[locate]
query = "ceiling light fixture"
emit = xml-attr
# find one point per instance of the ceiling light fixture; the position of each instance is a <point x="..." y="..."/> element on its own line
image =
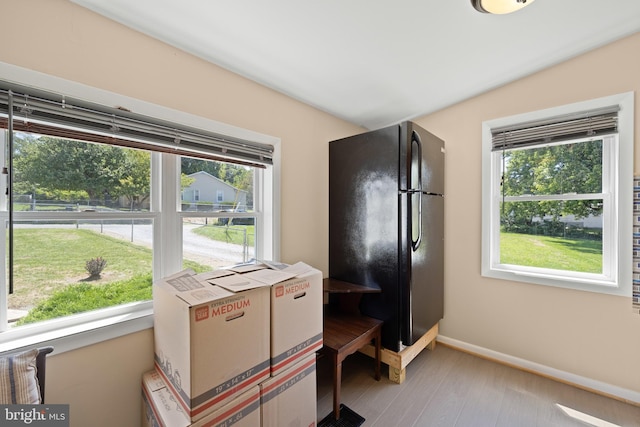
<point x="500" y="7"/>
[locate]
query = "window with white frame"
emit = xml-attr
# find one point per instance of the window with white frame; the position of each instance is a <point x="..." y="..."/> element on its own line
<point x="557" y="188"/>
<point x="84" y="232"/>
<point x="224" y="236"/>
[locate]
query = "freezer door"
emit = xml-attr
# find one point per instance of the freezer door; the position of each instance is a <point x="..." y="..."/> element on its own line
<point x="363" y="206"/>
<point x="423" y="268"/>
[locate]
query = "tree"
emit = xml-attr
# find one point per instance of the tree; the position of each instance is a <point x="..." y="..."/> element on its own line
<point x="185" y="181"/>
<point x="135" y="178"/>
<point x="55" y="165"/>
<point x="551" y="170"/>
<point x="190" y="165"/>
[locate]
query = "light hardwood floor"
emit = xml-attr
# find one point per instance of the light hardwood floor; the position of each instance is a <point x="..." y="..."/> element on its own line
<point x="449" y="388"/>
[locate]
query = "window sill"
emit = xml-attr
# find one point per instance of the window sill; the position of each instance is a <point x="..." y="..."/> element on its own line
<point x="575" y="283"/>
<point x="74" y="336"/>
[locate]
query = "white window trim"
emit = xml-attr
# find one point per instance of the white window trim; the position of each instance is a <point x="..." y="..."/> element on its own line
<point x="621" y="284"/>
<point x="85" y="329"/>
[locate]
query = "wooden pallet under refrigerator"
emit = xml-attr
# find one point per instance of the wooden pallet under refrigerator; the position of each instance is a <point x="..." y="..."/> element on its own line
<point x="398" y="361"/>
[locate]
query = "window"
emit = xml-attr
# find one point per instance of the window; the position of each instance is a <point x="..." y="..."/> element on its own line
<point x="85" y="232"/>
<point x="557" y="188"/>
<point x="215" y="233"/>
<point x="77" y="240"/>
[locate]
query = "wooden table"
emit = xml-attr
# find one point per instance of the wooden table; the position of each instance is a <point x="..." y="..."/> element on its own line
<point x="345" y="332"/>
<point x="345" y="296"/>
<point x="335" y="286"/>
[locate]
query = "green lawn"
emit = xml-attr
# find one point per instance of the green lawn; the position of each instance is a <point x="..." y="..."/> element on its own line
<point x="233" y="234"/>
<point x="57" y="254"/>
<point x="83" y="297"/>
<point x="50" y="277"/>
<point x="551" y="252"/>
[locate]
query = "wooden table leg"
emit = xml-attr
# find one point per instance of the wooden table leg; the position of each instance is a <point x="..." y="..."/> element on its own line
<point x="337" y="378"/>
<point x="378" y="350"/>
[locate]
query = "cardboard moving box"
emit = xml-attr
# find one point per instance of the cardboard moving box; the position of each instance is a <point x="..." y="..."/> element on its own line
<point x="210" y="344"/>
<point x="296" y="307"/>
<point x="289" y="399"/>
<point x="161" y="408"/>
<point x="296" y="319"/>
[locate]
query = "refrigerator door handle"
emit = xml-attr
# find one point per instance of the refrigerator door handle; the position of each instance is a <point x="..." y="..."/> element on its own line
<point x="415" y="140"/>
<point x="415" y="244"/>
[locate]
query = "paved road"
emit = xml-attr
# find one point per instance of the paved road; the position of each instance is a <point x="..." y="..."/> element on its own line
<point x="195" y="247"/>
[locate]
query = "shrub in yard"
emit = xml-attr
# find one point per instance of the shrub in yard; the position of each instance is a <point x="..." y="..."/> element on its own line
<point x="95" y="266"/>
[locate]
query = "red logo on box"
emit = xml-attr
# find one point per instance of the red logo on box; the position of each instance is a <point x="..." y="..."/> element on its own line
<point x="279" y="291"/>
<point x="202" y="313"/>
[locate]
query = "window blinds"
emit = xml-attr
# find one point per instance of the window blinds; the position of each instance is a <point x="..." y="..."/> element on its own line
<point x="52" y="114"/>
<point x="585" y="124"/>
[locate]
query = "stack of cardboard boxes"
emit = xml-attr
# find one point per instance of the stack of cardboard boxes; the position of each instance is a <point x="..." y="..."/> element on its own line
<point x="235" y="346"/>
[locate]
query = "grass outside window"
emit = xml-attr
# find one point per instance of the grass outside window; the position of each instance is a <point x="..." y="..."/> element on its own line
<point x="51" y="280"/>
<point x="581" y="255"/>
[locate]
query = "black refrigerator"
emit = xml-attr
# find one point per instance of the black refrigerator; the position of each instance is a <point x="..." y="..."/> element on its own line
<point x="386" y="226"/>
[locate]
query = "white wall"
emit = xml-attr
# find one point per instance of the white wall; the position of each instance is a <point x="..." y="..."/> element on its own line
<point x="587" y="334"/>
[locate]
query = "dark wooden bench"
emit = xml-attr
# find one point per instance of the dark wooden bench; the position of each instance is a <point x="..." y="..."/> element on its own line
<point x="343" y="335"/>
<point x="346" y="330"/>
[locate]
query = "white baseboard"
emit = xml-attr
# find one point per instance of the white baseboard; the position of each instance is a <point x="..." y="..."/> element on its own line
<point x="626" y="395"/>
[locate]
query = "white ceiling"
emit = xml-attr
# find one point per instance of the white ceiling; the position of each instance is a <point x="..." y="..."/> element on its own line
<point x="377" y="62"/>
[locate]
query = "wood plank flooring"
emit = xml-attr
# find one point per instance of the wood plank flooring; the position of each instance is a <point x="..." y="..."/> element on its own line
<point x="449" y="388"/>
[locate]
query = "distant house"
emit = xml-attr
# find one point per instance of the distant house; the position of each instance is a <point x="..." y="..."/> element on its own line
<point x="208" y="189"/>
<point x="571" y="220"/>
